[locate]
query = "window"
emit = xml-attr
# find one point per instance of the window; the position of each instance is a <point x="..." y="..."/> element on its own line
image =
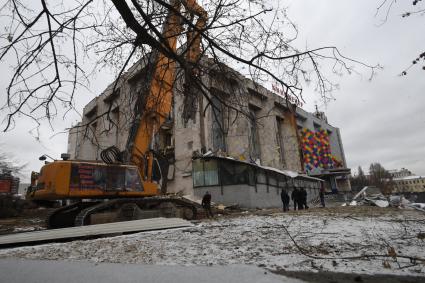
<point x="254" y="142"/>
<point x="261" y="177"/>
<point x="234" y="174"/>
<point x="205" y="173"/>
<point x="115" y="115"/>
<point x="169" y="139"/>
<point x="279" y="139"/>
<point x="113" y="96"/>
<point x="89" y="114"/>
<point x="218" y="124"/>
<point x="256" y="94"/>
<point x="271" y="179"/>
<point x="221" y="172"/>
<point x="282" y="181"/>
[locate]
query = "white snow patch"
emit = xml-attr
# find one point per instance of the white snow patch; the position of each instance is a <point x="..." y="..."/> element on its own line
<point x="325" y="243"/>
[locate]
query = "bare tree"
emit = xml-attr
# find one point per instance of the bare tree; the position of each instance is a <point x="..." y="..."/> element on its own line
<point x="359" y="180"/>
<point x="8" y="164"/>
<point x="417" y="8"/>
<point x="380" y="178"/>
<point x="52" y="47"/>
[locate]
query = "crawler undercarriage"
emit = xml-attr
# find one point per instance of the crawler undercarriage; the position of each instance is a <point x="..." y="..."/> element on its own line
<point x="122" y="209"/>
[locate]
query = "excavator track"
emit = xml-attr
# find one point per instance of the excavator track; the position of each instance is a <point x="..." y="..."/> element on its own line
<point x="83" y="218"/>
<point x="64" y="216"/>
<point x="124" y="209"/>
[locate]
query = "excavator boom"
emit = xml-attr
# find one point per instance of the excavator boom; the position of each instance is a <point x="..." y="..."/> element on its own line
<point x="126" y="186"/>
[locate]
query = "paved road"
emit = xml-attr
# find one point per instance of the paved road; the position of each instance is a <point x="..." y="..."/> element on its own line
<point x="35" y="271"/>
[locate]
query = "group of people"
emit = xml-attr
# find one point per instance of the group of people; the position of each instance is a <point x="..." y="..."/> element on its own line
<point x="298" y="196"/>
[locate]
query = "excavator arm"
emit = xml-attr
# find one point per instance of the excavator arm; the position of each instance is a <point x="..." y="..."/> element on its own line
<point x="112" y="191"/>
<point x="157" y="100"/>
<point x="78" y="179"/>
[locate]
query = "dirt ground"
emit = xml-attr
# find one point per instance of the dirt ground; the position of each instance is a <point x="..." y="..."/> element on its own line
<point x="29" y="220"/>
<point x="34" y="219"/>
<point x="346" y="211"/>
<point x="374" y="244"/>
<point x="339" y="277"/>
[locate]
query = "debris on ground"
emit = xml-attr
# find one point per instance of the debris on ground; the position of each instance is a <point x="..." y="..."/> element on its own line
<point x="339" y="239"/>
<point x="29" y="220"/>
<point x="369" y="196"/>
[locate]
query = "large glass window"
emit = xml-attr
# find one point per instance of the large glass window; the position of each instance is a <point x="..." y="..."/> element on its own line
<point x="205" y="173"/>
<point x="208" y="172"/>
<point x="272" y="180"/>
<point x="282" y="181"/>
<point x="234" y="173"/>
<point x="261" y="177"/>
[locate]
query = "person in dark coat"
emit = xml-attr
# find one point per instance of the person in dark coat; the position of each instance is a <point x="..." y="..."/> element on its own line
<point x="285" y="200"/>
<point x="303" y="198"/>
<point x="322" y="196"/>
<point x="295" y="198"/>
<point x="206" y="204"/>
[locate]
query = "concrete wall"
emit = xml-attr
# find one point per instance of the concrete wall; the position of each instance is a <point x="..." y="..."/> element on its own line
<point x="291" y="145"/>
<point x="186" y="138"/>
<point x="244" y="195"/>
<point x="249" y="196"/>
<point x="311" y="122"/>
<point x="73" y="141"/>
<point x="92" y="137"/>
<point x="343" y="184"/>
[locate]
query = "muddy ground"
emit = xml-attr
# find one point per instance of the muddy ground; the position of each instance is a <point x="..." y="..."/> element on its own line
<point x="336" y="244"/>
<point x="339" y="277"/>
<point x="28" y="220"/>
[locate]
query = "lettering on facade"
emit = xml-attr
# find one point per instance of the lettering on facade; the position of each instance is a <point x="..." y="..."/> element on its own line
<point x="292" y="99"/>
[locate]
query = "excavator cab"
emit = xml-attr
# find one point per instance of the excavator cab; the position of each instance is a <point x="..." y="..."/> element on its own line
<point x="68" y="179"/>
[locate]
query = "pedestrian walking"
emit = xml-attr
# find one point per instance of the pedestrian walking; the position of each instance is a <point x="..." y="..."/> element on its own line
<point x="295" y="197"/>
<point x="285" y="200"/>
<point x="206" y="204"/>
<point x="322" y="196"/>
<point x="303" y="198"/>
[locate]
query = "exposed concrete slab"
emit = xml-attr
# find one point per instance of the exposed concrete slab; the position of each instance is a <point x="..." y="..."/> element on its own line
<point x="93" y="230"/>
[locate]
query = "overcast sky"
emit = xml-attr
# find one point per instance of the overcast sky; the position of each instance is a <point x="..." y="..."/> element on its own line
<point x="382" y="120"/>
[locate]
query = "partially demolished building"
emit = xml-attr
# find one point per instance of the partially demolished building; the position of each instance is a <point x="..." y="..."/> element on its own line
<point x="246" y="156"/>
<point x="409" y="184"/>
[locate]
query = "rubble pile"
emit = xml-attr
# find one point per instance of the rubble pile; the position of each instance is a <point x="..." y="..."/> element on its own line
<point x="369" y="196"/>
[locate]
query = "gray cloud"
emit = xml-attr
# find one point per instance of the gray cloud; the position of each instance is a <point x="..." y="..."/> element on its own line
<point x="380" y="120"/>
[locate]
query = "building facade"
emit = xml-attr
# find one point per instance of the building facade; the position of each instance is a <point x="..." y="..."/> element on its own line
<point x="409" y="184"/>
<point x="261" y="141"/>
<point x="403" y="172"/>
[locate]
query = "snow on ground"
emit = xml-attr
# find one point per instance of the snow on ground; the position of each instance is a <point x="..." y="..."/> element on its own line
<point x="310" y="241"/>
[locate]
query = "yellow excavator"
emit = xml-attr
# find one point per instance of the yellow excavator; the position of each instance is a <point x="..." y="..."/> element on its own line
<point x="131" y="188"/>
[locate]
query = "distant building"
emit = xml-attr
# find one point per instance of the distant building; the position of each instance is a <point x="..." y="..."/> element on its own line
<point x="9" y="184"/>
<point x="403" y="172"/>
<point x="276" y="146"/>
<point x="409" y="184"/>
